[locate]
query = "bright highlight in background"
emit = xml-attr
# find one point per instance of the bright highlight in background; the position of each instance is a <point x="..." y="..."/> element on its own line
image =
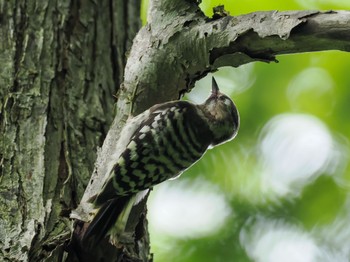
<point x="274" y="241"/>
<point x="312" y="90"/>
<point x="187" y="209"/>
<point x="230" y="80"/>
<point x="295" y="148"/>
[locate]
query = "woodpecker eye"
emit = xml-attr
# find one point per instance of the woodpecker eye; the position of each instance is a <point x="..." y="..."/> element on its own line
<point x="226" y="100"/>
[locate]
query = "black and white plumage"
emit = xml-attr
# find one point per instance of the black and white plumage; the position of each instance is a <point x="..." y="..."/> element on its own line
<point x="168" y="139"/>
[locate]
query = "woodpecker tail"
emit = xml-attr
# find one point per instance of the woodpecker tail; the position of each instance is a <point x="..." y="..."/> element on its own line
<point x="106" y="218"/>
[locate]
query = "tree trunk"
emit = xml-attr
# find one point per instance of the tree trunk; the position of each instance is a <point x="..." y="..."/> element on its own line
<point x="61" y="64"/>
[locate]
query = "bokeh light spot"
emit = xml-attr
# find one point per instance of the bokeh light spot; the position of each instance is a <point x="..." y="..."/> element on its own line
<point x="294" y="148"/>
<point x="187" y="209"/>
<point x="275" y="241"/>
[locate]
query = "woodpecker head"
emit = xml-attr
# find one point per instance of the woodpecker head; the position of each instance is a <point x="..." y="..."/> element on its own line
<point x="222" y="114"/>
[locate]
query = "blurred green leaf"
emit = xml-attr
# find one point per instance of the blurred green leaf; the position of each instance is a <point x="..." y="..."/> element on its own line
<point x="320" y="203"/>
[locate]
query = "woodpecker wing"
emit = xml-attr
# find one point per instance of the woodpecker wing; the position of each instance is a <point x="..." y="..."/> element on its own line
<point x="170" y="140"/>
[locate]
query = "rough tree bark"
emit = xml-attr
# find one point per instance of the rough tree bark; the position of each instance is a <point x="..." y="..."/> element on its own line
<point x="61" y="63"/>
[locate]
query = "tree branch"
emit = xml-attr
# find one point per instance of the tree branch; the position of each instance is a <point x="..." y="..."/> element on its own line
<point x="166" y="61"/>
<point x="274" y="33"/>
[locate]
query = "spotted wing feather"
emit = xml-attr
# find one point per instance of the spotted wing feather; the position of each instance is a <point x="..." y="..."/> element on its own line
<point x="170" y="140"/>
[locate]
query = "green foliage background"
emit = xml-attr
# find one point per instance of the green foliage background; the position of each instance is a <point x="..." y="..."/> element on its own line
<point x="315" y="209"/>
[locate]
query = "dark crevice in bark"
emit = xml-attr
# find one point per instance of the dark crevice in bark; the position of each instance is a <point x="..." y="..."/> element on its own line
<point x="242" y="46"/>
<point x="22" y="202"/>
<point x="114" y="51"/>
<point x="20" y="22"/>
<point x="72" y="20"/>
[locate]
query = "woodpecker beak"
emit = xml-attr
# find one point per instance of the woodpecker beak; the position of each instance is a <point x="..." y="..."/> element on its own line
<point x="214" y="88"/>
